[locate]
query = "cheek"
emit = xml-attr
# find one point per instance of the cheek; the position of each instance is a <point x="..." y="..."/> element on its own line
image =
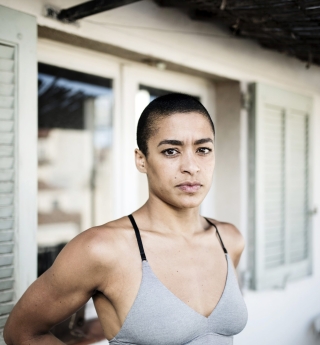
<point x="208" y="169"/>
<point x="164" y="172"/>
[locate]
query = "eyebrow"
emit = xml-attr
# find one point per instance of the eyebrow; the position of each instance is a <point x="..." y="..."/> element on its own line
<point x="203" y="141"/>
<point x="181" y="143"/>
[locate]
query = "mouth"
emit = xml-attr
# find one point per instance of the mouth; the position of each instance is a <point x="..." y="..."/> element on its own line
<point x="189" y="187"/>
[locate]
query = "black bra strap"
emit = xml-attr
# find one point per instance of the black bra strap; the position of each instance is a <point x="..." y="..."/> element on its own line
<point x="136" y="230"/>
<point x="223" y="247"/>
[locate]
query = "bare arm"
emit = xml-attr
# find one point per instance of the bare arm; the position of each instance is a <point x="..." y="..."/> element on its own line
<point x="58" y="293"/>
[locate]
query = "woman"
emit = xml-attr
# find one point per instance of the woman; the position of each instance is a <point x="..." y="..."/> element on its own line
<point x="163" y="275"/>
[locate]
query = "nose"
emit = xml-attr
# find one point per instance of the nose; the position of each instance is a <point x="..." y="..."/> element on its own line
<point x="189" y="164"/>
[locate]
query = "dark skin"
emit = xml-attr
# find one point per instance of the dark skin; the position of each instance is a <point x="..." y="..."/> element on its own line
<point x="104" y="262"/>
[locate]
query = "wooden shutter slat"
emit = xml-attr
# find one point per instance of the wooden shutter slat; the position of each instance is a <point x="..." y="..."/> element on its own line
<point x="272" y="262"/>
<point x="6" y="260"/>
<point x="6" y="151"/>
<point x="6" y="272"/>
<point x="6" y="223"/>
<point x="6" y="102"/>
<point x="5" y="308"/>
<point x="272" y="222"/>
<point x="6" y="126"/>
<point x="6" y="211"/>
<point x="6" y="162"/>
<point x="6" y="90"/>
<point x="6" y="284"/>
<point x="6" y="114"/>
<point x="275" y="243"/>
<point x="6" y="138"/>
<point x="6" y="176"/>
<point x="6" y="187"/>
<point x="6" y="236"/>
<point x="7" y="77"/>
<point x="6" y="248"/>
<point x="296" y="256"/>
<point x="6" y="199"/>
<point x="6" y="296"/>
<point x="274" y="234"/>
<point x="6" y="52"/>
<point x="6" y="65"/>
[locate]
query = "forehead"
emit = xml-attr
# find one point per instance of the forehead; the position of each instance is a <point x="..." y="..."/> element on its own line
<point x="184" y="124"/>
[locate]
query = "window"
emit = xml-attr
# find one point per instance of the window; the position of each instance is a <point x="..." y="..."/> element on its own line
<point x="279" y="187"/>
<point x="74" y="155"/>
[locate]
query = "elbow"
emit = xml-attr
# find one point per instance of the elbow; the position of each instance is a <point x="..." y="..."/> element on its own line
<point x="15" y="334"/>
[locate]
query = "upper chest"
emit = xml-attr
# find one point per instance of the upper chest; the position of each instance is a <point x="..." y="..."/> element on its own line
<point x="195" y="272"/>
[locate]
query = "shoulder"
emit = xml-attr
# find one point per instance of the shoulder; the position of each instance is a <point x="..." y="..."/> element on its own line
<point x="102" y="239"/>
<point x="103" y="235"/>
<point x="232" y="239"/>
<point x="97" y="249"/>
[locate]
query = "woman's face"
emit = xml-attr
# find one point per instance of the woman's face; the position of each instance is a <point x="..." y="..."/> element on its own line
<point x="181" y="159"/>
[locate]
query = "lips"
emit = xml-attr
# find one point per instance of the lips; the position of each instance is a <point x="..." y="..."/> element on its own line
<point x="189" y="187"/>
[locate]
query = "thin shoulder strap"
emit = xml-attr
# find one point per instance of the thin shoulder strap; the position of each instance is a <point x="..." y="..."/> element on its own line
<point x="136" y="230"/>
<point x="223" y="247"/>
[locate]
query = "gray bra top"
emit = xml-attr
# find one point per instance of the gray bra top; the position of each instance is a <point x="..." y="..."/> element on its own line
<point x="158" y="317"/>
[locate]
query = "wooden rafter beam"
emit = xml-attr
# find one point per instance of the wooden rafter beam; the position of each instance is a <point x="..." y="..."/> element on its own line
<point x="89" y="8"/>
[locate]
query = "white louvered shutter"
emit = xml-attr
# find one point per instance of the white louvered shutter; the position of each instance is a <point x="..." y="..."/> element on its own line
<point x="7" y="179"/>
<point x="297" y="186"/>
<point x="279" y="222"/>
<point x="274" y="204"/>
<point x="18" y="157"/>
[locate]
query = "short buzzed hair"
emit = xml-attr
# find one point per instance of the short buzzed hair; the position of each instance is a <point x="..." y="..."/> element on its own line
<point x="164" y="106"/>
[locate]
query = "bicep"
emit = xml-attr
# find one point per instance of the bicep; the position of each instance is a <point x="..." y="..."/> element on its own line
<point x="54" y="296"/>
<point x="47" y="302"/>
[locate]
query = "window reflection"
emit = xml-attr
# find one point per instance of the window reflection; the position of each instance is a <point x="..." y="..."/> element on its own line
<point x="74" y="157"/>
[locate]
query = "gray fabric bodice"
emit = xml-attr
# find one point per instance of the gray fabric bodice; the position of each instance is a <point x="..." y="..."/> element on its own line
<point x="158" y="317"/>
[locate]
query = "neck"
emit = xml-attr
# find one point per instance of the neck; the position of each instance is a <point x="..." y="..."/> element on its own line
<point x="156" y="214"/>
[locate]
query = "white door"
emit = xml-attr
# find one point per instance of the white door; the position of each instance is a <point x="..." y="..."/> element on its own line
<point x="140" y="84"/>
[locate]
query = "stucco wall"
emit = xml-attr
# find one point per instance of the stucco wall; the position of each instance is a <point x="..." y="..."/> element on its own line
<point x="163" y="33"/>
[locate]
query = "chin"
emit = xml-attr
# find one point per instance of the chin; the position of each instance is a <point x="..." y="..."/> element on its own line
<point x="189" y="201"/>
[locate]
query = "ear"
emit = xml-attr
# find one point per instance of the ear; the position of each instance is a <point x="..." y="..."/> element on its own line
<point x="140" y="161"/>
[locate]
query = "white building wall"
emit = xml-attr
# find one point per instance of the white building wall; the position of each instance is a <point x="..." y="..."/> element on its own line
<point x="145" y="28"/>
<point x="280" y="317"/>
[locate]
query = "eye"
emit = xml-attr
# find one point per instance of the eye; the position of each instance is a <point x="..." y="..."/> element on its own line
<point x="170" y="152"/>
<point x="204" y="150"/>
